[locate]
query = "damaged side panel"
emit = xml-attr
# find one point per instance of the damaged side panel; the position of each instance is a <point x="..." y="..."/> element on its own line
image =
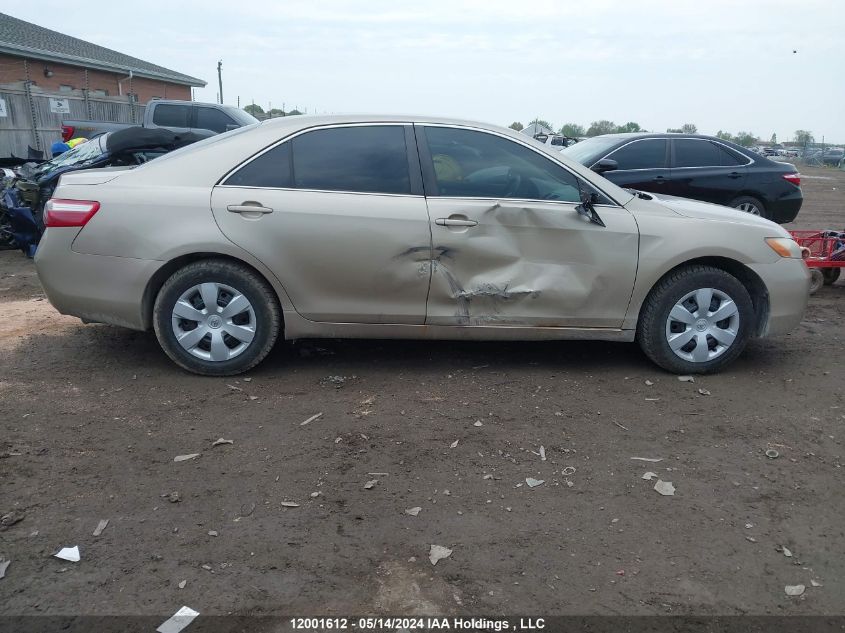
<point x="530" y="263"/>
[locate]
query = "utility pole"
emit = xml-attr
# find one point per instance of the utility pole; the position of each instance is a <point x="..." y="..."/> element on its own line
<point x="220" y="78"/>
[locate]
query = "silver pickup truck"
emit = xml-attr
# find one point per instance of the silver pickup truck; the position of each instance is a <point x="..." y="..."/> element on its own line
<point x="179" y="116"/>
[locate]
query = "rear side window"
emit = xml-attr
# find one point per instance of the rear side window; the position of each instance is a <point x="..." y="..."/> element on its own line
<point x="730" y="158"/>
<point x="696" y="153"/>
<point x="271" y="169"/>
<point x="646" y="154"/>
<point x="212" y="119"/>
<point x="171" y="115"/>
<point x="367" y="159"/>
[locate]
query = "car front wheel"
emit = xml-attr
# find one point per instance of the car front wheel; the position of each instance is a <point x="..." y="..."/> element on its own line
<point x="216" y="318"/>
<point x="696" y="320"/>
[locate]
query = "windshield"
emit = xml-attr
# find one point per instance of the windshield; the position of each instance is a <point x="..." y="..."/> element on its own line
<point x="82" y="154"/>
<point x="590" y="150"/>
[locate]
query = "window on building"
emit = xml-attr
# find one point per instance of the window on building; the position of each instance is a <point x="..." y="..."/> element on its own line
<point x="99" y="92"/>
<point x="65" y="88"/>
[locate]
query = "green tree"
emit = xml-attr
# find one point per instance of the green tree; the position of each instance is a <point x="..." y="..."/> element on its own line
<point x="516" y="125"/>
<point x="254" y="109"/>
<point x="803" y="137"/>
<point x="746" y="139"/>
<point x="689" y="128"/>
<point x="774" y="139"/>
<point x="725" y="136"/>
<point x="572" y="129"/>
<point x="542" y="122"/>
<point x="630" y="126"/>
<point x="601" y="127"/>
<point x="276" y="112"/>
<point x="293" y="112"/>
<point x="674" y="130"/>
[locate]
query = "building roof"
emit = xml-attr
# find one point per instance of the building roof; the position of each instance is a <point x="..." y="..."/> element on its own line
<point x="18" y="37"/>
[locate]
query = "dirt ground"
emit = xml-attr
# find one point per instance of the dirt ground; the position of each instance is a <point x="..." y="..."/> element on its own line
<point x="93" y="416"/>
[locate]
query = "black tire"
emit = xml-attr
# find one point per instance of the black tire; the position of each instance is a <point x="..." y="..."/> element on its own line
<point x="816" y="280"/>
<point x="750" y="201"/>
<point x="654" y="315"/>
<point x="830" y="275"/>
<point x="259" y="294"/>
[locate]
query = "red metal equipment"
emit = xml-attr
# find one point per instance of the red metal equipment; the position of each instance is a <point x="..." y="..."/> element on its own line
<point x="824" y="254"/>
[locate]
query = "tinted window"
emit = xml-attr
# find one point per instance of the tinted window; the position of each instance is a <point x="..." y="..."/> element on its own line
<point x="214" y="120"/>
<point x="647" y="154"/>
<point x="729" y="157"/>
<point x="695" y="153"/>
<point x="370" y="159"/>
<point x="480" y="165"/>
<point x="271" y="169"/>
<point x="171" y="115"/>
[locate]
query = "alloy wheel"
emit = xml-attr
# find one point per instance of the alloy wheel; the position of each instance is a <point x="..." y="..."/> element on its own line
<point x="702" y="325"/>
<point x="213" y="321"/>
<point x="749" y="207"/>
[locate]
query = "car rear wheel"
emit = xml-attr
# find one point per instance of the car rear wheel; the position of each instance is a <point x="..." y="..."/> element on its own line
<point x="216" y="318"/>
<point x="696" y="320"/>
<point x="747" y="204"/>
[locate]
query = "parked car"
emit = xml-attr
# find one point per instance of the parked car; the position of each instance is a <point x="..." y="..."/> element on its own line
<point x="557" y="141"/>
<point x="833" y="156"/>
<point x="698" y="167"/>
<point x="392" y="227"/>
<point x="178" y="116"/>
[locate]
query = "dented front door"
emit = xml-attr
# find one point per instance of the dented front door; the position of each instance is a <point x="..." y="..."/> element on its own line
<point x="508" y="261"/>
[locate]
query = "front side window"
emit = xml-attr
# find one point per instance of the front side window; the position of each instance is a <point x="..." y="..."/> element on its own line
<point x="367" y="159"/>
<point x="271" y="169"/>
<point x="213" y="119"/>
<point x="696" y="153"/>
<point x="167" y="115"/>
<point x="475" y="164"/>
<point x="646" y="154"/>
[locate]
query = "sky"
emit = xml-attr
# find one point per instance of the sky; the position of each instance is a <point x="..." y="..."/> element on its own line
<point x="719" y="64"/>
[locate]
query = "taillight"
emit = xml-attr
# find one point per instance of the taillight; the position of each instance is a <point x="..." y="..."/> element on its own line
<point x="794" y="178"/>
<point x="67" y="133"/>
<point x="59" y="212"/>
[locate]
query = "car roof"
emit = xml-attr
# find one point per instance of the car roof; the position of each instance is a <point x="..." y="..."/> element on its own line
<point x="633" y="135"/>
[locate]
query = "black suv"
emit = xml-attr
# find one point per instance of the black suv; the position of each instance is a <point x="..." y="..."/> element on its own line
<point x="699" y="167"/>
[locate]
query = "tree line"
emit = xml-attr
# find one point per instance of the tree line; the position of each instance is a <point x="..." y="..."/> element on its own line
<point x="597" y="128"/>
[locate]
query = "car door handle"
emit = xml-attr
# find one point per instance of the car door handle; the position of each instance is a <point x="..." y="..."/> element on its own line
<point x="659" y="179"/>
<point x="454" y="222"/>
<point x="734" y="174"/>
<point x="248" y="208"/>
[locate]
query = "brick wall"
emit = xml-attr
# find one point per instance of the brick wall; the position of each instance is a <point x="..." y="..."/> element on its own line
<point x="12" y="71"/>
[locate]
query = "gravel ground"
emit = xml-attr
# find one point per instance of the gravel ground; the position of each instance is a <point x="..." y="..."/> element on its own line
<point x="93" y="417"/>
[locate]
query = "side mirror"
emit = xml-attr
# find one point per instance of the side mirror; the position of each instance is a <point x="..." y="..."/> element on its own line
<point x="605" y="164"/>
<point x="586" y="208"/>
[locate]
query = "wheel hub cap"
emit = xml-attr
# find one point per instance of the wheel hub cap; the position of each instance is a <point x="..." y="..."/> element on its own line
<point x="702" y="325"/>
<point x="213" y="321"/>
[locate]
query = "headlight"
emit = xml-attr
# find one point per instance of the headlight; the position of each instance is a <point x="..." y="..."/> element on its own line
<point x="784" y="246"/>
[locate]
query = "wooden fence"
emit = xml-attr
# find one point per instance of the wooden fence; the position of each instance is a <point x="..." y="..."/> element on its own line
<point x="31" y="119"/>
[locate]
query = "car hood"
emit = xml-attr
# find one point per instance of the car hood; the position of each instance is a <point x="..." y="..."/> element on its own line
<point x="715" y="212"/>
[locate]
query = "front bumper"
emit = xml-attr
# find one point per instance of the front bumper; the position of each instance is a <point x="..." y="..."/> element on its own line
<point x="788" y="284"/>
<point x="99" y="288"/>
